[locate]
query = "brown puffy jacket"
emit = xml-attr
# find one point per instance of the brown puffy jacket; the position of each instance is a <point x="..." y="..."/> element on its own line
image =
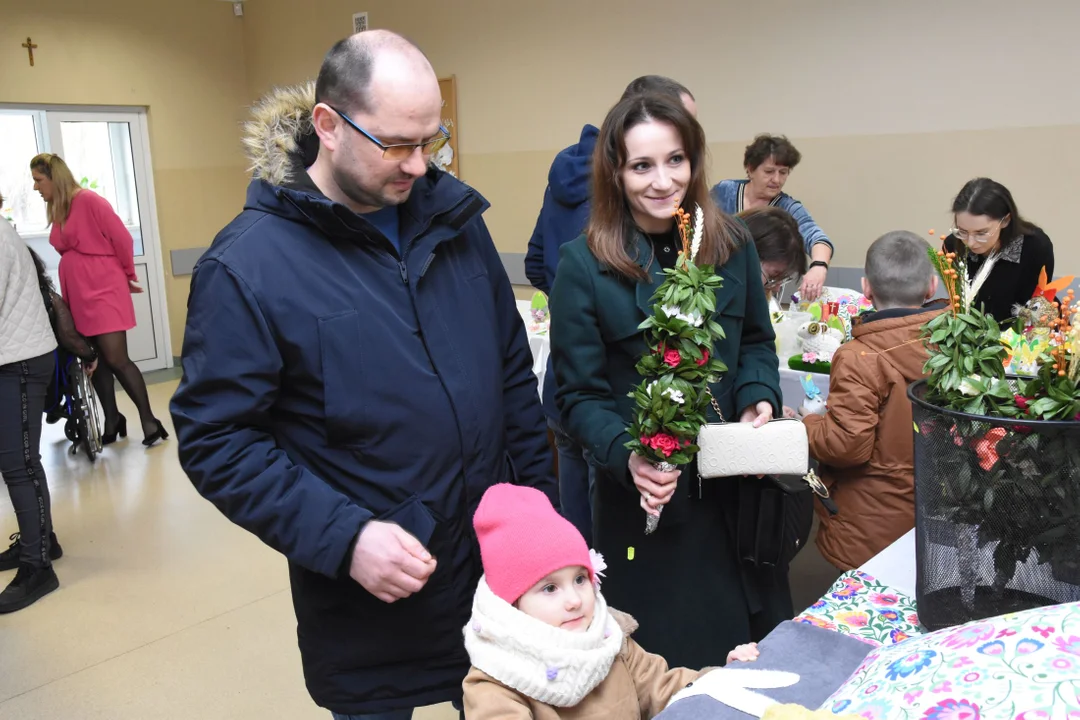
<point x="864" y="441"/>
<point x="638" y="686"/>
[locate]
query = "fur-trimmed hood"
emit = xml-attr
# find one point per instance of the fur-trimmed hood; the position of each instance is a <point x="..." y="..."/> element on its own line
<point x="279" y="139"/>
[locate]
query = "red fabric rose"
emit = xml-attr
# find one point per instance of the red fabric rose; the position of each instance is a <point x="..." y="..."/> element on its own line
<point x="704" y="358"/>
<point x="986" y="448"/>
<point x="664" y="443"/>
<point x="672" y="358"/>
<point x="1022" y="402"/>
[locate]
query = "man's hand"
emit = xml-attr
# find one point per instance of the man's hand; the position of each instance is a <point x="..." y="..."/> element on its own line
<point x="134" y="287"/>
<point x="390" y="563"/>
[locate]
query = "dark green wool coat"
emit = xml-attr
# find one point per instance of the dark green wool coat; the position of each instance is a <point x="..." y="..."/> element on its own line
<point x="694" y="599"/>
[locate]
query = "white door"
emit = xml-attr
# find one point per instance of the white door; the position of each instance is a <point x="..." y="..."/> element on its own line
<point x="109" y="154"/>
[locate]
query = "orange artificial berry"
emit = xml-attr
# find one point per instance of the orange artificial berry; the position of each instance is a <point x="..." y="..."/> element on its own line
<point x="932" y="231"/>
<point x="956" y="297"/>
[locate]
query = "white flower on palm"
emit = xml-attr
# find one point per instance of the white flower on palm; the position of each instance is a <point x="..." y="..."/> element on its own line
<point x="967" y="388"/>
<point x="674" y="311"/>
<point x="675" y="395"/>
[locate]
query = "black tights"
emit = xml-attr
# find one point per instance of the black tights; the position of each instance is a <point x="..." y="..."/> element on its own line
<point x="114" y="362"/>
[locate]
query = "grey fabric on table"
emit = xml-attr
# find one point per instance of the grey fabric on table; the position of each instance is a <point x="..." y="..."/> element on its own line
<point x="823" y="659"/>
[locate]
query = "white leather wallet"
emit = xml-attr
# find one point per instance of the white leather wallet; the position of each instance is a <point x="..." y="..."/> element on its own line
<point x="779" y="447"/>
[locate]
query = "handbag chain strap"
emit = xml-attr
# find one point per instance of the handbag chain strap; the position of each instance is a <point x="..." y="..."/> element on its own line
<point x="715" y="405"/>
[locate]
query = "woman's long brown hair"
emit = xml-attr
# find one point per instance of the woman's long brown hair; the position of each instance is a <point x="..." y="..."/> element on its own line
<point x="612" y="231"/>
<point x="64" y="186"/>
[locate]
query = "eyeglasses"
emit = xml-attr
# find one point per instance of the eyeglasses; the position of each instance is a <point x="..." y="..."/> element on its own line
<point x="774" y="283"/>
<point x="981" y="236"/>
<point x="404" y="150"/>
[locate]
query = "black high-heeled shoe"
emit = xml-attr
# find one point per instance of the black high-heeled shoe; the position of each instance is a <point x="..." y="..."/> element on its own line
<point x="121" y="430"/>
<point x="159" y="434"/>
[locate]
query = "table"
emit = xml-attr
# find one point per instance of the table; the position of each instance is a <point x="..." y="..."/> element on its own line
<point x="895" y="565"/>
<point x="791" y="385"/>
<point x="539" y="344"/>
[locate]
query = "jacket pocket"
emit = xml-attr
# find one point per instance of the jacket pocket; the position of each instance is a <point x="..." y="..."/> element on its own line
<point x="413" y="517"/>
<point x="341" y="352"/>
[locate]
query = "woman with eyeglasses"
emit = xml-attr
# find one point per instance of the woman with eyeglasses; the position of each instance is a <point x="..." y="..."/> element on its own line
<point x="1005" y="253"/>
<point x="779" y="245"/>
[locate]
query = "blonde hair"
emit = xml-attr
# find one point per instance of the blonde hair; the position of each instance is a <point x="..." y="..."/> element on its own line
<point x="64" y="185"/>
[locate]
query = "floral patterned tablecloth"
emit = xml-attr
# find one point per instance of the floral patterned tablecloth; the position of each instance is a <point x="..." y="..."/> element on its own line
<point x="1022" y="666"/>
<point x="861" y="606"/>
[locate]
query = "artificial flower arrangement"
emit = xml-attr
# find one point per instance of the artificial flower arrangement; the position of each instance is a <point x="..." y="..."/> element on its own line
<point x="831" y="321"/>
<point x="672" y="398"/>
<point x="539" y="314"/>
<point x="1001" y="471"/>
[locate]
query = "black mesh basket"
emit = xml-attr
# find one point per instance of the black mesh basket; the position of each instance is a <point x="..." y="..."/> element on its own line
<point x="997" y="513"/>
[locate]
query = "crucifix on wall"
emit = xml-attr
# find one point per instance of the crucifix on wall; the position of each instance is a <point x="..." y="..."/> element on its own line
<point x="30" y="46"/>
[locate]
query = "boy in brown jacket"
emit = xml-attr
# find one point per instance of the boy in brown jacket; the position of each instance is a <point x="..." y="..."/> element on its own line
<point x="864" y="440"/>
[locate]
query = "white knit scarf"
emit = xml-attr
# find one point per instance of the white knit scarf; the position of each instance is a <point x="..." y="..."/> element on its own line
<point x="548" y="664"/>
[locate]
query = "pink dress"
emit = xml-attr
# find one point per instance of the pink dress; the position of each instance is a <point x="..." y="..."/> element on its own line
<point x="96" y="262"/>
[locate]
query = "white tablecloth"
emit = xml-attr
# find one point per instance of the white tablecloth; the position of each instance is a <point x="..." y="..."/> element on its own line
<point x="895" y="565"/>
<point x="539" y="343"/>
<point x="791" y="385"/>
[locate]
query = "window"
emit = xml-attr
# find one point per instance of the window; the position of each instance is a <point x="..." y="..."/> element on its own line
<point x="22" y="136"/>
<point x="99" y="155"/>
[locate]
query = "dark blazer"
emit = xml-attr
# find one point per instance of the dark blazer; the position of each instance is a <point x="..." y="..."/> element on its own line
<point x="596" y="344"/>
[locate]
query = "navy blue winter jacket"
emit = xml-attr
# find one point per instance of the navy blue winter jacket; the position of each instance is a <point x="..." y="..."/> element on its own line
<point x="328" y="381"/>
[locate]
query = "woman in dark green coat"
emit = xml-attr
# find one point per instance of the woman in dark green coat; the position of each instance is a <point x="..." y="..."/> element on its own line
<point x="694" y="599"/>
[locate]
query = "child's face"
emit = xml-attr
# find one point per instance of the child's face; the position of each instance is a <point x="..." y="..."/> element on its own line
<point x="564" y="599"/>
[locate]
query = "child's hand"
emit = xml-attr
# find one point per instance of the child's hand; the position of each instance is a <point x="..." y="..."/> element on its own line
<point x="743" y="653"/>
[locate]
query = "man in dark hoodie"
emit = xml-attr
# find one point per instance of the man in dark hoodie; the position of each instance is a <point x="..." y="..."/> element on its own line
<point x="356" y="376"/>
<point x="563" y="217"/>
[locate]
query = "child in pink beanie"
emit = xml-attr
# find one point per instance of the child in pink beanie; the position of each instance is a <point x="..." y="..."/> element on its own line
<point x="541" y="639"/>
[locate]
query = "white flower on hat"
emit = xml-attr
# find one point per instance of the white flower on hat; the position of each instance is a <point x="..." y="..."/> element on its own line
<point x="598" y="565"/>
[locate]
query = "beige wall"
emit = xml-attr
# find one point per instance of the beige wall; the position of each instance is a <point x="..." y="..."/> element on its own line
<point x="184" y="61"/>
<point x="894" y="105"/>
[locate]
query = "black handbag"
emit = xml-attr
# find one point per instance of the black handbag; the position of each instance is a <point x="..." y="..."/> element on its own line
<point x="774" y="517"/>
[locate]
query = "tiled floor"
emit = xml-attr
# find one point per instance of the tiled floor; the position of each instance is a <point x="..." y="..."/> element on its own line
<point x="165" y="609"/>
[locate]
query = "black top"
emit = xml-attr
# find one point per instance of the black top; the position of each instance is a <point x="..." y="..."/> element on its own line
<point x="1016" y="274"/>
<point x="667" y="246"/>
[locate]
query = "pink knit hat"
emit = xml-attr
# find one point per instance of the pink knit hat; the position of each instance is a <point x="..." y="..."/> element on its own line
<point x="523" y="539"/>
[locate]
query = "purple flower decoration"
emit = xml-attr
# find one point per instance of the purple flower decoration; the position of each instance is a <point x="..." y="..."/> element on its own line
<point x="476" y="628"/>
<point x="994" y="649"/>
<point x="907" y="666"/>
<point x="552" y="673"/>
<point x="970" y="636"/>
<point x="954" y="710"/>
<point x="1071" y="646"/>
<point x="1028" y="646"/>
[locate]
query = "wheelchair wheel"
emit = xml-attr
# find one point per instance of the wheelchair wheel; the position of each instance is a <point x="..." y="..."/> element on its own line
<point x="87" y="414"/>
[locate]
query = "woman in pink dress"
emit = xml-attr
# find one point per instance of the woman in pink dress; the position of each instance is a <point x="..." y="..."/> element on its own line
<point x="97" y="277"/>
